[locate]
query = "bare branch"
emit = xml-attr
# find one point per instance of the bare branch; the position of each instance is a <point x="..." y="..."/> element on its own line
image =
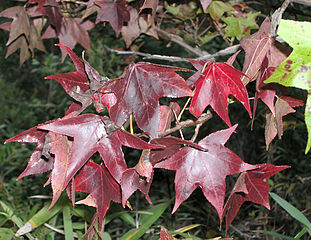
<point x="188" y="123"/>
<point x="177" y="39"/>
<point x="223" y="52"/>
<point x="304" y="2"/>
<point x="276" y="17"/>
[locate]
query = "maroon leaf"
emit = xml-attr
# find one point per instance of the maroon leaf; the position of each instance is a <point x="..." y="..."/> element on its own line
<point x="137" y="25"/>
<point x="73" y="31"/>
<point x="60" y="147"/>
<point x="213" y="88"/>
<point x="73" y="79"/>
<point x="138" y="92"/>
<point x="259" y="46"/>
<point x="172" y="146"/>
<point x="207" y="169"/>
<point x="24" y="33"/>
<point x="93" y="133"/>
<point x="274" y="124"/>
<point x="96" y="180"/>
<point x="131" y="181"/>
<point x="114" y="12"/>
<point x="37" y="163"/>
<point x="47" y="8"/>
<point x="250" y="186"/>
<point x="266" y="92"/>
<point x="167" y="115"/>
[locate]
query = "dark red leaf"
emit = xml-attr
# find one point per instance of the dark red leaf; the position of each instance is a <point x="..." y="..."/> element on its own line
<point x="47" y="8"/>
<point x="93" y="133"/>
<point x="138" y="92"/>
<point x="37" y="163"/>
<point x="96" y="180"/>
<point x="259" y="46"/>
<point x="250" y="186"/>
<point x="73" y="31"/>
<point x="213" y="88"/>
<point x="114" y="12"/>
<point x="60" y="147"/>
<point x="77" y="78"/>
<point x="207" y="169"/>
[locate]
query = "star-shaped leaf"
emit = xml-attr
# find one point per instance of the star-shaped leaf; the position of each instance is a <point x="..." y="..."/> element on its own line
<point x="240" y="26"/>
<point x="103" y="188"/>
<point x="73" y="31"/>
<point x="274" y="123"/>
<point x="138" y="92"/>
<point x="91" y="134"/>
<point x="24" y="32"/>
<point x="38" y="163"/>
<point x="251" y="186"/>
<point x="48" y="8"/>
<point x="259" y="46"/>
<point x="213" y="88"/>
<point x="114" y="12"/>
<point x="295" y="70"/>
<point x="207" y="169"/>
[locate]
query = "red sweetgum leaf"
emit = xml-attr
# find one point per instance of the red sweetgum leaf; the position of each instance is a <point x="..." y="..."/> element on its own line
<point x="138" y="92"/>
<point x="207" y="169"/>
<point x="259" y="46"/>
<point x="37" y="163"/>
<point x="137" y="25"/>
<point x="82" y="85"/>
<point x="274" y="124"/>
<point x="172" y="146"/>
<point x="72" y="79"/>
<point x="60" y="147"/>
<point x="114" y="12"/>
<point x="24" y="33"/>
<point x="91" y="134"/>
<point x="46" y="8"/>
<point x="250" y="186"/>
<point x="131" y="181"/>
<point x="167" y="115"/>
<point x="213" y="88"/>
<point x="266" y="92"/>
<point x="96" y="180"/>
<point x="73" y="31"/>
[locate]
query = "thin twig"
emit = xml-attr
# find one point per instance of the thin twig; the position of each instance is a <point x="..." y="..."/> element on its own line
<point x="223" y="52"/>
<point x="177" y="39"/>
<point x="241" y="233"/>
<point x="58" y="230"/>
<point x="188" y="123"/>
<point x="276" y="17"/>
<point x="304" y="2"/>
<point x="196" y="132"/>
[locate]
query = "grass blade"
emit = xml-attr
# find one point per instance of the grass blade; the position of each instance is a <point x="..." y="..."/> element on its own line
<point x="291" y="210"/>
<point x="67" y="223"/>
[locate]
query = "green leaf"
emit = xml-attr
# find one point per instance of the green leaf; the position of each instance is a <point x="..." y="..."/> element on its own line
<point x="146" y="221"/>
<point x="217" y="8"/>
<point x="295" y="70"/>
<point x="291" y="210"/>
<point x="6" y="233"/>
<point x="44" y="215"/>
<point x="13" y="217"/>
<point x="274" y="234"/>
<point x="240" y="26"/>
<point x="67" y="223"/>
